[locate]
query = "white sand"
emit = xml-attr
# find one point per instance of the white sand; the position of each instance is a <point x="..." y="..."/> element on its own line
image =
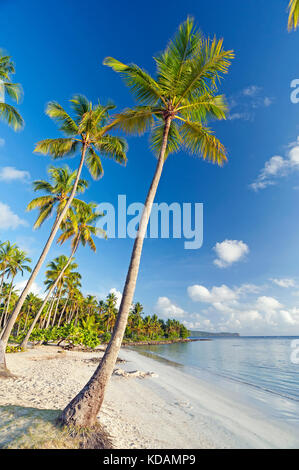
<point x="173" y="410"/>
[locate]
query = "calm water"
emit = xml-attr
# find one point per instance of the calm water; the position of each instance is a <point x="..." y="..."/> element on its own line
<point x="263" y="363"/>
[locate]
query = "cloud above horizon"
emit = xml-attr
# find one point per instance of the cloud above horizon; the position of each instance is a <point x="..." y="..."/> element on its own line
<point x="229" y="252"/>
<point x="167" y="309"/>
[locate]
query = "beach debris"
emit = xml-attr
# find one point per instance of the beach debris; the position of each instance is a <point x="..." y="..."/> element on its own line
<point x="134" y="373"/>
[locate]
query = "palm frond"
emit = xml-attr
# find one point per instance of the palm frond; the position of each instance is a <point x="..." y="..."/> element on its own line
<point x="14" y="90"/>
<point x="80" y="106"/>
<point x="174" y="140"/>
<point x="94" y="164"/>
<point x="55" y="111"/>
<point x="112" y="147"/>
<point x="142" y="85"/>
<point x="203" y="107"/>
<point x="293" y="20"/>
<point x="199" y="140"/>
<point x="9" y="114"/>
<point x="57" y="148"/>
<point x="134" y="121"/>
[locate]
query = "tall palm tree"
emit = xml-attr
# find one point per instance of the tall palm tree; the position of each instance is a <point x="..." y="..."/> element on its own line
<point x="7" y="253"/>
<point x="293" y="14"/>
<point x="55" y="268"/>
<point x="86" y="132"/>
<point x="14" y="90"/>
<point x="80" y="228"/>
<point x="18" y="263"/>
<point x="175" y="107"/>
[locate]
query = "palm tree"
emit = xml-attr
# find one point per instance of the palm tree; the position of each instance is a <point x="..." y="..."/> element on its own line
<point x="293" y="14"/>
<point x="57" y="191"/>
<point x="174" y="107"/>
<point x="18" y="263"/>
<point x="80" y="228"/>
<point x="7" y="253"/>
<point x="57" y="268"/>
<point x="14" y="90"/>
<point x="87" y="132"/>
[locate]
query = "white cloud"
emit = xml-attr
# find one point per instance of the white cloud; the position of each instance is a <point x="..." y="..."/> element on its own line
<point x="244" y="103"/>
<point x="229" y="252"/>
<point x="268" y="304"/>
<point x="167" y="309"/>
<point x="35" y="288"/>
<point x="237" y="309"/>
<point x="9" y="220"/>
<point x="2" y="142"/>
<point x="199" y="293"/>
<point x="277" y="167"/>
<point x="9" y="173"/>
<point x="284" y="282"/>
<point x="117" y="294"/>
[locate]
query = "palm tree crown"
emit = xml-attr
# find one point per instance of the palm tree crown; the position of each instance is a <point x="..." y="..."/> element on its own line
<point x="86" y="130"/>
<point x="14" y="90"/>
<point x="184" y="93"/>
<point x="57" y="192"/>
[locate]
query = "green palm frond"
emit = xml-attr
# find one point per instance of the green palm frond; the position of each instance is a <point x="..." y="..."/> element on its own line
<point x="80" y="106"/>
<point x="40" y="202"/>
<point x="293" y="20"/>
<point x="9" y="114"/>
<point x="199" y="140"/>
<point x="207" y="67"/>
<point x="174" y="141"/>
<point x="203" y="107"/>
<point x="44" y="213"/>
<point x="14" y="90"/>
<point x="56" y="112"/>
<point x="94" y="164"/>
<point x="135" y="121"/>
<point x="57" y="148"/>
<point x="142" y="85"/>
<point x="113" y="147"/>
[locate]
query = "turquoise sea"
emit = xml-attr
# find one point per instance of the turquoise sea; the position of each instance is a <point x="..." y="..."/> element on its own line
<point x="259" y="368"/>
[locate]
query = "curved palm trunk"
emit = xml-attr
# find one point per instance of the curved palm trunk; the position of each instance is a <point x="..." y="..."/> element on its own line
<point x="51" y="309"/>
<point x="35" y="320"/>
<point x="42" y="257"/>
<point x="84" y="408"/>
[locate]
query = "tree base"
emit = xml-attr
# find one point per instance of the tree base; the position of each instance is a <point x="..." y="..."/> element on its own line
<point x="94" y="437"/>
<point x="4" y="372"/>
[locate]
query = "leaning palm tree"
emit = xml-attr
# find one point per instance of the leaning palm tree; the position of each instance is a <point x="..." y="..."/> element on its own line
<point x="80" y="228"/>
<point x="14" y="90"/>
<point x="7" y="253"/>
<point x="174" y="107"/>
<point x="293" y="14"/>
<point x="87" y="133"/>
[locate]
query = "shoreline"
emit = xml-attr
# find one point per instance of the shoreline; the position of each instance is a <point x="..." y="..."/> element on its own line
<point x="171" y="409"/>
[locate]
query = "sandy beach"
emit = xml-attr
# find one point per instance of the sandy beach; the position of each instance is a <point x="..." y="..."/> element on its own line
<point x="171" y="409"/>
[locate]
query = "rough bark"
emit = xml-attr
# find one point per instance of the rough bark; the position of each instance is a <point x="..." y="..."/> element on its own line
<point x="84" y="408"/>
<point x="42" y="257"/>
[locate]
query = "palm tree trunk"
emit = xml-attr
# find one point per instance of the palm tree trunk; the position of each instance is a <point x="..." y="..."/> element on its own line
<point x="84" y="408"/>
<point x="26" y="339"/>
<point x="7" y="307"/>
<point x="63" y="310"/>
<point x="58" y="299"/>
<point x="48" y="312"/>
<point x="51" y="309"/>
<point x="42" y="257"/>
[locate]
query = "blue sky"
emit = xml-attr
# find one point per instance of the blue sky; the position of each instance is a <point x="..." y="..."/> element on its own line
<point x="250" y="205"/>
